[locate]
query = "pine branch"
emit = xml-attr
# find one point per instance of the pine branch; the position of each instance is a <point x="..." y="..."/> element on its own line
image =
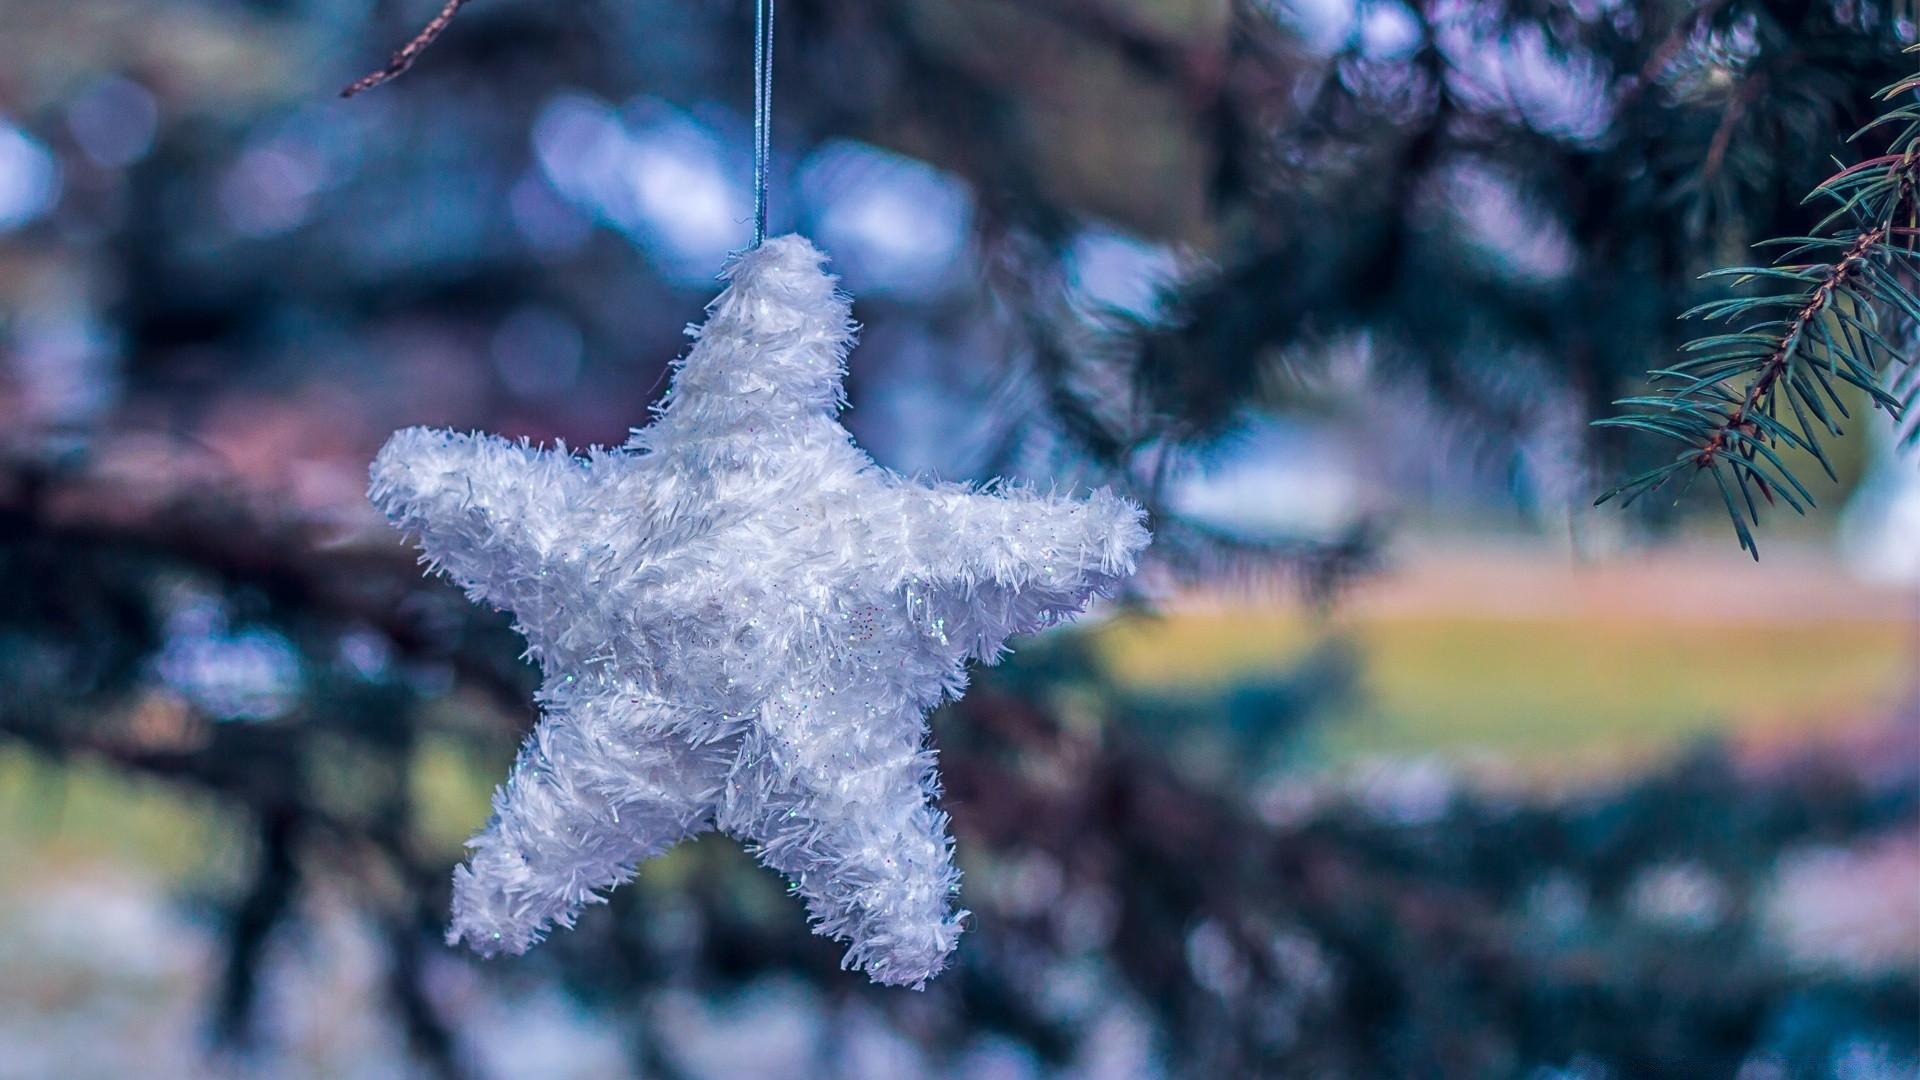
<point x="1723" y="403"/>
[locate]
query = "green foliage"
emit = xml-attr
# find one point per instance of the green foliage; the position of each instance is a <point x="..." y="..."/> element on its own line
<point x="1821" y="318"/>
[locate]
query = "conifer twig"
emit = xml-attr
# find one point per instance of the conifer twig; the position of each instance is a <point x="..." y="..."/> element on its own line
<point x="1723" y="403"/>
<point x="1736" y="424"/>
<point x="403" y="60"/>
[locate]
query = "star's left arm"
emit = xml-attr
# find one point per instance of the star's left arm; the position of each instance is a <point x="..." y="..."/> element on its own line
<point x="1009" y="559"/>
<point x="487" y="510"/>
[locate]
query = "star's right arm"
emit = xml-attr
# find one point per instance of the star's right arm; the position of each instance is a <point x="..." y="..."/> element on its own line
<point x="1010" y="559"/>
<point x="488" y="511"/>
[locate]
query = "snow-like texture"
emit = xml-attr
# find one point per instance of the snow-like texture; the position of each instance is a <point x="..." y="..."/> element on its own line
<point x="742" y="622"/>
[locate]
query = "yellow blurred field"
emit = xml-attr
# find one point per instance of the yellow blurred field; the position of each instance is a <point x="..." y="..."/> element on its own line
<point x="1541" y="687"/>
<point x="83" y="813"/>
<point x="1535" y="658"/>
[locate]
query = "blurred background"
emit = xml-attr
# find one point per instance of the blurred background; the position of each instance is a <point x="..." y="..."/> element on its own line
<point x="1401" y="761"/>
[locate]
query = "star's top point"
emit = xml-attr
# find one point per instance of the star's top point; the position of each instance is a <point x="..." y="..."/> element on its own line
<point x="774" y="345"/>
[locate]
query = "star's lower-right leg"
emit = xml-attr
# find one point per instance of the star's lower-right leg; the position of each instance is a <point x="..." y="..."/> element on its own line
<point x="843" y="810"/>
<point x="604" y="782"/>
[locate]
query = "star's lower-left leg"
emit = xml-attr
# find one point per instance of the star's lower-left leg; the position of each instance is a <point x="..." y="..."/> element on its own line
<point x="603" y="783"/>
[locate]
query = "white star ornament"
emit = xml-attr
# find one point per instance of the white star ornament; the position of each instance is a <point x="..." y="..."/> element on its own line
<point x="741" y="623"/>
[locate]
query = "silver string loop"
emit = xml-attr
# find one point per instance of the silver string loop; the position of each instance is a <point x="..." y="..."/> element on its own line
<point x="762" y="112"/>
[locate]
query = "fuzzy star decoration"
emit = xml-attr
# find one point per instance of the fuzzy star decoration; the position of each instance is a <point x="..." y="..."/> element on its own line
<point x="741" y="622"/>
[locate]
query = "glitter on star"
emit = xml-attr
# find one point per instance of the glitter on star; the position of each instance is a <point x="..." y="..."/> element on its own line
<point x="741" y="623"/>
